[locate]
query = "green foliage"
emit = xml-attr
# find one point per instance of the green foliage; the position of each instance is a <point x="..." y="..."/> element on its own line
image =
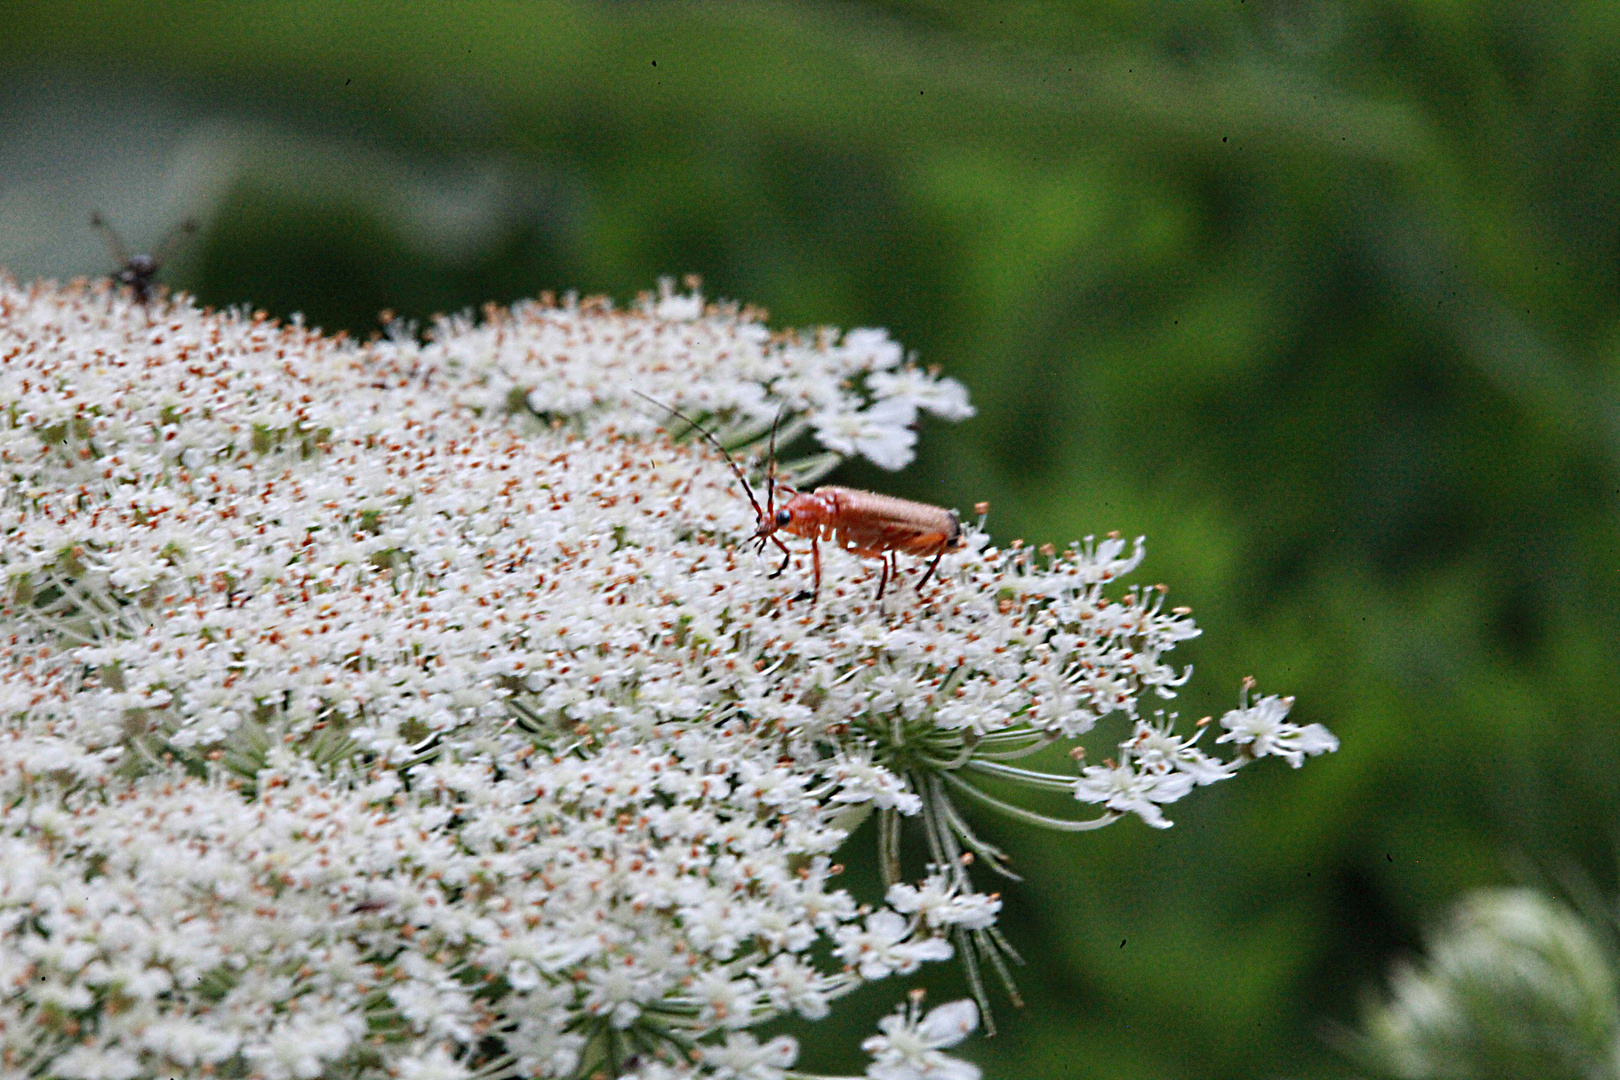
<point x="1321" y="297"/>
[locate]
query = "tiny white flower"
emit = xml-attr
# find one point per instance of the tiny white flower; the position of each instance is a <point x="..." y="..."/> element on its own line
<point x="861" y="780"/>
<point x="882" y="434"/>
<point x="97" y="1063"/>
<point x="791" y="984"/>
<point x="941" y="904"/>
<point x="189" y="1042"/>
<point x="886" y="945"/>
<point x="743" y="1057"/>
<point x="1124" y="790"/>
<point x="436" y="1064"/>
<point x="909" y="1048"/>
<point x="675" y="306"/>
<point x="872" y="347"/>
<point x="1159" y="749"/>
<point x="724" y="1001"/>
<point x="941" y="396"/>
<point x="522" y="975"/>
<point x="541" y="1046"/>
<point x="1261" y="731"/>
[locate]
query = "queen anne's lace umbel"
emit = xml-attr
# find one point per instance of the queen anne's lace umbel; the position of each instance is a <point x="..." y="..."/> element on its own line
<point x="416" y="709"/>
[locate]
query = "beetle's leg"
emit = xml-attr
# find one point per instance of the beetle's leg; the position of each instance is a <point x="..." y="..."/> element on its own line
<point x="815" y="559"/>
<point x="938" y="555"/>
<point x="787" y="556"/>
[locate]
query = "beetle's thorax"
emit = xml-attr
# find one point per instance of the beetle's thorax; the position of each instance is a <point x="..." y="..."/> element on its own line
<point x="812" y="513"/>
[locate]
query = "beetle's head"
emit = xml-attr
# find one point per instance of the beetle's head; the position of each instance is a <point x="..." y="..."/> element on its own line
<point x="776" y="514"/>
<point x="769" y="522"/>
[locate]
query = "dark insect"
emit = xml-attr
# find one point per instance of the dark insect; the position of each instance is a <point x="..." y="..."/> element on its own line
<point x="138" y="270"/>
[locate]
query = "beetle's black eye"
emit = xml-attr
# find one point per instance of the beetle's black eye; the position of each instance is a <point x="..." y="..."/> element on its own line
<point x="783" y="517"/>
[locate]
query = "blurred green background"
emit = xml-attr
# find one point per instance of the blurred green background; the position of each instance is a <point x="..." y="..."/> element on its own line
<point x="1321" y="297"/>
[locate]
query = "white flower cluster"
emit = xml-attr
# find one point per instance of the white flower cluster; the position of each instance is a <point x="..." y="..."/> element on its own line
<point x="563" y="362"/>
<point x="414" y="709"/>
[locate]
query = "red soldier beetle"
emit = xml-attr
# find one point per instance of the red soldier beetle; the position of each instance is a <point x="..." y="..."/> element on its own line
<point x="861" y="522"/>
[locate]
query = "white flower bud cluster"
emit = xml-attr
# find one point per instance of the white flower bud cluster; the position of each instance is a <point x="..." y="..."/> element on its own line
<point x="416" y="709"/>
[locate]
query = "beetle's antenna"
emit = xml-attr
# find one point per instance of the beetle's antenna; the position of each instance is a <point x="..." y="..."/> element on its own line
<point x="115" y="242"/>
<point x="770" y="491"/>
<point x="714" y="442"/>
<point x="770" y="496"/>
